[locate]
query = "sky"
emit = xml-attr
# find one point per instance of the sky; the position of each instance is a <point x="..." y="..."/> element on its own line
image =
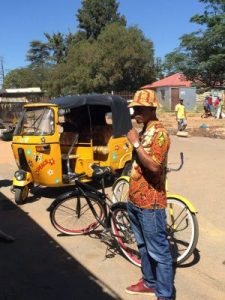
<point x="21" y="21"/>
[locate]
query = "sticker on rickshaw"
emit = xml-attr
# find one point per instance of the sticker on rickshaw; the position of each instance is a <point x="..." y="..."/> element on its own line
<point x="44" y="164"/>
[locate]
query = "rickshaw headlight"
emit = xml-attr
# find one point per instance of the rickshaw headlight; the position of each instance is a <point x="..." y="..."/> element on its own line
<point x="20" y="175"/>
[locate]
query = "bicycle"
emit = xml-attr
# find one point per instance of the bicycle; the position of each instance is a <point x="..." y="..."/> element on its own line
<point x="182" y="224"/>
<point x="81" y="210"/>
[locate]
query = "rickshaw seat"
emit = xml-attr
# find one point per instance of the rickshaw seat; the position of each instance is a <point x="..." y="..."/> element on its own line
<point x="101" y="150"/>
<point x="101" y="137"/>
<point x="66" y="138"/>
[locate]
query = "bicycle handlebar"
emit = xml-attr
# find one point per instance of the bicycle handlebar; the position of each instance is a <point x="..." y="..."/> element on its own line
<point x="76" y="176"/>
<point x="180" y="166"/>
<point x="98" y="172"/>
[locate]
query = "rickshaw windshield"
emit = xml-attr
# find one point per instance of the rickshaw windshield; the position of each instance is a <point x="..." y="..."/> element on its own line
<point x="36" y="121"/>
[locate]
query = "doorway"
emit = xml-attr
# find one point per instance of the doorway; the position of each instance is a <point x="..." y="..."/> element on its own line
<point x="174" y="97"/>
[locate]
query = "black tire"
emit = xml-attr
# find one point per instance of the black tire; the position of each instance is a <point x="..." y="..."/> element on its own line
<point x="182" y="229"/>
<point x="123" y="234"/>
<point x="72" y="215"/>
<point x="21" y="194"/>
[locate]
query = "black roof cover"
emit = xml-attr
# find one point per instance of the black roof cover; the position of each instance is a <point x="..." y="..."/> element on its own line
<point x="120" y="111"/>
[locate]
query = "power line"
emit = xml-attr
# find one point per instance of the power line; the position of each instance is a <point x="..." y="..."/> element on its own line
<point x="2" y="72"/>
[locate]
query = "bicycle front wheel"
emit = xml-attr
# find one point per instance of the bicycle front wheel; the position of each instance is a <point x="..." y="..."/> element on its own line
<point x="182" y="229"/>
<point x="76" y="215"/>
<point x="123" y="233"/>
<point x="120" y="190"/>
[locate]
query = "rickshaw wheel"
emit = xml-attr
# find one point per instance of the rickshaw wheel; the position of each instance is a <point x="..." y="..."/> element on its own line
<point x="21" y="194"/>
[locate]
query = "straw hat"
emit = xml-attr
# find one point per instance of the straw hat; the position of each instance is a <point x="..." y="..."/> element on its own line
<point x="144" y="98"/>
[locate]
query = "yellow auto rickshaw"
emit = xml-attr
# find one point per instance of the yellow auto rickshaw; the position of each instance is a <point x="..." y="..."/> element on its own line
<point x="69" y="134"/>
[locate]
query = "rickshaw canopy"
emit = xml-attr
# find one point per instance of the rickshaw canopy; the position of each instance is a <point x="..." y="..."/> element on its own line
<point x="120" y="112"/>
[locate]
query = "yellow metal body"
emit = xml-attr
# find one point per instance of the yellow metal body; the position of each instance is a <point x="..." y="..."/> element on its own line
<point x="45" y="155"/>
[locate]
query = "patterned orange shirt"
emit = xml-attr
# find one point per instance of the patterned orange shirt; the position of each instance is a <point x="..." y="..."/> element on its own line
<point x="147" y="190"/>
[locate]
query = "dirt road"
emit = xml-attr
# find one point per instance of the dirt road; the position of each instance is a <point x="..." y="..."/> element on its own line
<point x="41" y="264"/>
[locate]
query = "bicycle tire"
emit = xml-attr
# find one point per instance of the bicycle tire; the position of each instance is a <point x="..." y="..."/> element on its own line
<point x="182" y="229"/>
<point x="67" y="217"/>
<point x="120" y="190"/>
<point x="188" y="237"/>
<point x="123" y="234"/>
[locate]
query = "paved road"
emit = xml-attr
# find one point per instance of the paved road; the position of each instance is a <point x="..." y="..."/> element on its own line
<point x="44" y="265"/>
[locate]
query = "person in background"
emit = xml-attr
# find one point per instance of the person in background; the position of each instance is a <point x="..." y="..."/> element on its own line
<point x="206" y="107"/>
<point x="219" y="107"/>
<point x="210" y="103"/>
<point x="181" y="115"/>
<point x="147" y="199"/>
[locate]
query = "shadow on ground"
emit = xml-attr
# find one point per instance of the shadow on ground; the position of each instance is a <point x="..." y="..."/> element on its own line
<point x="5" y="183"/>
<point x="36" y="267"/>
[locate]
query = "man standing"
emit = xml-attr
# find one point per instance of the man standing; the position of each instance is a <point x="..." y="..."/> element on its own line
<point x="181" y="115"/>
<point x="147" y="199"/>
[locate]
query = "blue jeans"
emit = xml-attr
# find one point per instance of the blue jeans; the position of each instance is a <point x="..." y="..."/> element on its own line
<point x="149" y="227"/>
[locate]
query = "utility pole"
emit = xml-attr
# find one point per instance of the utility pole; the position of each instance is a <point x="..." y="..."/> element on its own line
<point x="2" y="73"/>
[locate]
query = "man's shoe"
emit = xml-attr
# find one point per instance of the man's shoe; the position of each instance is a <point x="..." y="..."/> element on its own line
<point x="140" y="289"/>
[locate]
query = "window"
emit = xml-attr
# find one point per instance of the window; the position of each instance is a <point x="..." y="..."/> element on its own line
<point x="36" y="121"/>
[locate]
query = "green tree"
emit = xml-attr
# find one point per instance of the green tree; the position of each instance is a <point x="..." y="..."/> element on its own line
<point x="158" y="66"/>
<point x="76" y="75"/>
<point x="174" y="62"/>
<point x="96" y="14"/>
<point x="26" y="77"/>
<point x="120" y="59"/>
<point x="39" y="53"/>
<point x="57" y="46"/>
<point x="53" y="51"/>
<point x="103" y="56"/>
<point x="125" y="57"/>
<point x="201" y="55"/>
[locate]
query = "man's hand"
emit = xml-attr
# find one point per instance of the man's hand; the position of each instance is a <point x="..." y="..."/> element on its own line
<point x="133" y="136"/>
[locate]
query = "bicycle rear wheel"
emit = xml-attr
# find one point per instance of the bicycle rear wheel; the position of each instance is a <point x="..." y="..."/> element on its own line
<point x="123" y="234"/>
<point x="182" y="225"/>
<point x="74" y="216"/>
<point x="182" y="229"/>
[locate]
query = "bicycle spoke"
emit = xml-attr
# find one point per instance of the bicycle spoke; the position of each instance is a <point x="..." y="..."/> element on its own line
<point x="122" y="232"/>
<point x="181" y="229"/>
<point x="74" y="215"/>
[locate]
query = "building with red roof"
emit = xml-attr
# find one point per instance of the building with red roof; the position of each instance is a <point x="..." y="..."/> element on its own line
<point x="170" y="89"/>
